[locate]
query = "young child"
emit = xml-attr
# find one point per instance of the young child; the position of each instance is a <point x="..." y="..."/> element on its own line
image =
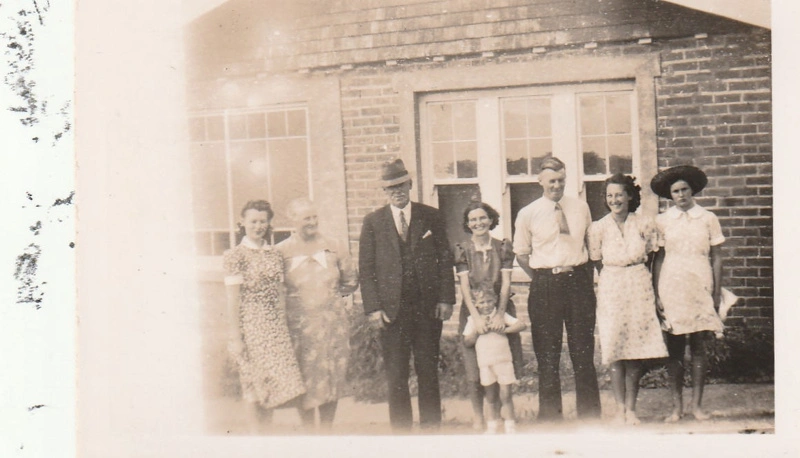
<point x="494" y="359"/>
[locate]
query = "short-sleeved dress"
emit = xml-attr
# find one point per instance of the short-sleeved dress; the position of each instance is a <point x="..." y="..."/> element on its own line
<point x="483" y="265"/>
<point x="686" y="281"/>
<point x="316" y="312"/>
<point x="268" y="370"/>
<point x="626" y="314"/>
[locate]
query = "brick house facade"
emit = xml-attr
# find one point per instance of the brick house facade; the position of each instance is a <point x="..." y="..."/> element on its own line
<point x="351" y="86"/>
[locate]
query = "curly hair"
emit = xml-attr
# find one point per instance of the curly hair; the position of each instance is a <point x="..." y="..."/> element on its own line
<point x="631" y="188"/>
<point x="491" y="212"/>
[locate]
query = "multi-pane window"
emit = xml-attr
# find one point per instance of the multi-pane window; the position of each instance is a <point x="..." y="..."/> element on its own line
<point x="243" y="155"/>
<point x="488" y="145"/>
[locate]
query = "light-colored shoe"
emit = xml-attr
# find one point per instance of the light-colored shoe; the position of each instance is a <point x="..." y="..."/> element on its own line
<point x="491" y="427"/>
<point x="701" y="415"/>
<point x="631" y="419"/>
<point x="673" y="418"/>
<point x="510" y="427"/>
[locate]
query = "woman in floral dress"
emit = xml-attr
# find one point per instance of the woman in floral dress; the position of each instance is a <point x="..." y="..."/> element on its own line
<point x="319" y="274"/>
<point x="484" y="262"/>
<point x="688" y="274"/>
<point x="259" y="338"/>
<point x="620" y="244"/>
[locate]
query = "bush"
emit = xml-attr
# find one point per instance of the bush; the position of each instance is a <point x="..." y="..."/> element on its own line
<point x="743" y="355"/>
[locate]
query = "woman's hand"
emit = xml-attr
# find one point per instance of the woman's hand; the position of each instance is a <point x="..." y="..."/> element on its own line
<point x="481" y="326"/>
<point x="497" y="323"/>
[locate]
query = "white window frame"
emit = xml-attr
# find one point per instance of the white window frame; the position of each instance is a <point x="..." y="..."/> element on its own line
<point x="227" y="141"/>
<point x="493" y="179"/>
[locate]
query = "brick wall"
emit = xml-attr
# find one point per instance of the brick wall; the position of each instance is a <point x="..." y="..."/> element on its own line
<point x="714" y="111"/>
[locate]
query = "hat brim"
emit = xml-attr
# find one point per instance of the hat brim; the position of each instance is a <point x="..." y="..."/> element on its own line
<point x="663" y="181"/>
<point x="395" y="181"/>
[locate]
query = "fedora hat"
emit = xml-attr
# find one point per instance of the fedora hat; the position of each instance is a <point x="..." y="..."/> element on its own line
<point x="393" y="172"/>
<point x="666" y="178"/>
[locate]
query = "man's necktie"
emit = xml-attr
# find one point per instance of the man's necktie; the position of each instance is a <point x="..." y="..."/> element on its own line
<point x="563" y="226"/>
<point x="403" y="226"/>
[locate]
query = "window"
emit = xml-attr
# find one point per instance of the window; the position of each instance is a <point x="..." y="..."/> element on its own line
<point x="243" y="155"/>
<point x="489" y="144"/>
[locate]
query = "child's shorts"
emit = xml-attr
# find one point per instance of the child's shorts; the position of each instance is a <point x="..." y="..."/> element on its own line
<point x="502" y="373"/>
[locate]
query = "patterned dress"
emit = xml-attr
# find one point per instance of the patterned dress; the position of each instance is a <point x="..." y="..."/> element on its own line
<point x="317" y="315"/>
<point x="483" y="266"/>
<point x="685" y="286"/>
<point x="268" y="370"/>
<point x="626" y="311"/>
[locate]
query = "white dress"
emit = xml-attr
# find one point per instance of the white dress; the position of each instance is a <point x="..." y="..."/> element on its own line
<point x="626" y="314"/>
<point x="685" y="286"/>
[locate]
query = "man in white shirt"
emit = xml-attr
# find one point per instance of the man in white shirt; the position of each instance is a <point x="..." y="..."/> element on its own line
<point x="550" y="245"/>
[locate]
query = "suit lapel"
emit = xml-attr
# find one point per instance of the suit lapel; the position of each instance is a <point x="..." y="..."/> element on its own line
<point x="390" y="229"/>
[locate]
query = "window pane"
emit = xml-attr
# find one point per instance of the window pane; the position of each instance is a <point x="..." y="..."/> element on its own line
<point x="249" y="172"/>
<point x="255" y="125"/>
<point x="222" y="242"/>
<point x="516" y="157"/>
<point x="594" y="156"/>
<point x="237" y="126"/>
<point x="453" y="199"/>
<point x="540" y="150"/>
<point x="514" y="118"/>
<point x="620" y="156"/>
<point x="464" y="121"/>
<point x="297" y="123"/>
<point x="289" y="175"/>
<point x="202" y="243"/>
<point x="276" y="124"/>
<point x="596" y="199"/>
<point x="215" y="128"/>
<point x="539" y="117"/>
<point x="441" y="116"/>
<point x="592" y="118"/>
<point x="197" y="129"/>
<point x="618" y="112"/>
<point x="467" y="154"/>
<point x="209" y="189"/>
<point x="443" y="166"/>
<point x="521" y="195"/>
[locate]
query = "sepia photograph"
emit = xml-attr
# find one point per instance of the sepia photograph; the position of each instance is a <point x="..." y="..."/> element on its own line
<point x="454" y="227"/>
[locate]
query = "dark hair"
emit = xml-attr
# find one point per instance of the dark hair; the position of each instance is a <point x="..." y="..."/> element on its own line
<point x="631" y="188"/>
<point x="552" y="163"/>
<point x="259" y="206"/>
<point x="491" y="212"/>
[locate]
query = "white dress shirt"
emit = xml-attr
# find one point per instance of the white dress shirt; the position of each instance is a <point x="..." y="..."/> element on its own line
<point x="537" y="233"/>
<point x="396" y="215"/>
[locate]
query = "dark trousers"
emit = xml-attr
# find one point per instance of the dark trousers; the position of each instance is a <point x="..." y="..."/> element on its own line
<point x="419" y="333"/>
<point x="558" y="300"/>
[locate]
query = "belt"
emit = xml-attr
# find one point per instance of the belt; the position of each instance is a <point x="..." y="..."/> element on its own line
<point x="558" y="270"/>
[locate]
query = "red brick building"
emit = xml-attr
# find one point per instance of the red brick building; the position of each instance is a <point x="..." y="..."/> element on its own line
<point x="309" y="98"/>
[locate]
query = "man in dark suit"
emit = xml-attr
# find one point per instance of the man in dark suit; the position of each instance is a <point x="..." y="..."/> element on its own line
<point x="408" y="289"/>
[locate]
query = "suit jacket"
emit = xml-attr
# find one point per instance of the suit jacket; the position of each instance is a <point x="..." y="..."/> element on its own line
<point x="380" y="265"/>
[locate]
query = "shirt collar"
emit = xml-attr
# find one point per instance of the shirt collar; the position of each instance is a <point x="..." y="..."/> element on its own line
<point x="251" y="244"/>
<point x="396" y="211"/>
<point x="695" y="212"/>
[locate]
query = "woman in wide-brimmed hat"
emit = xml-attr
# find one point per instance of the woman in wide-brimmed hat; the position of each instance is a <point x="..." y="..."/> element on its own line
<point x="686" y="276"/>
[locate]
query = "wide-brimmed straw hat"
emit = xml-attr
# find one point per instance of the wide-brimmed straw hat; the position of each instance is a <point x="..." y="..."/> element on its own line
<point x="393" y="172"/>
<point x="664" y="179"/>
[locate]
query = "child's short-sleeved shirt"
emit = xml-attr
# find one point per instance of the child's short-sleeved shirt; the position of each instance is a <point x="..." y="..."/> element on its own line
<point x="492" y="347"/>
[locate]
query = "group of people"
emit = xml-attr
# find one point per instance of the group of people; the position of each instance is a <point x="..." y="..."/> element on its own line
<point x="658" y="286"/>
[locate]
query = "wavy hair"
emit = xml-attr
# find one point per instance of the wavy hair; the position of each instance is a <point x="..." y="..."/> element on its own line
<point x="631" y="188"/>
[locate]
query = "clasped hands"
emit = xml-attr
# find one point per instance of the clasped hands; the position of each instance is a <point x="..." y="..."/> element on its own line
<point x="379" y="319"/>
<point x="484" y="324"/>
